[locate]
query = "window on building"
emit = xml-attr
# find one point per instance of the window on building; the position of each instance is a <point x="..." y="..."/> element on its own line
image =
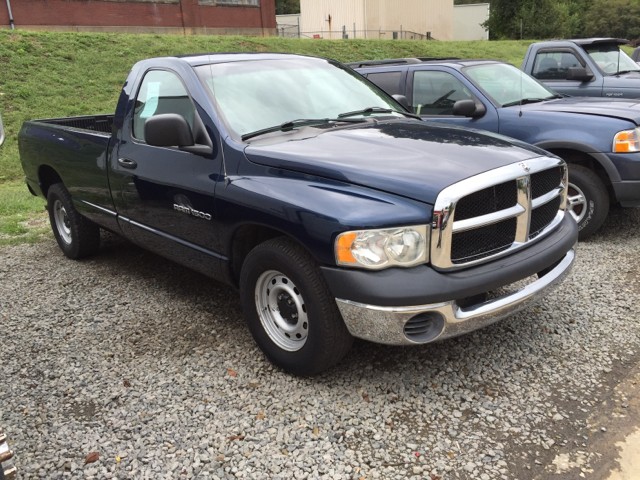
<point x="250" y="3"/>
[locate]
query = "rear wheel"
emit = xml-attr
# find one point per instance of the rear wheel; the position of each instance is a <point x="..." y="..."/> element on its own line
<point x="77" y="236"/>
<point x="290" y="312"/>
<point x="588" y="200"/>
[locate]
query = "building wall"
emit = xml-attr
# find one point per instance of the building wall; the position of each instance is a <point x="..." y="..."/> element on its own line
<point x="467" y="20"/>
<point x="327" y="17"/>
<point x="419" y="16"/>
<point x="170" y="16"/>
<point x="376" y="18"/>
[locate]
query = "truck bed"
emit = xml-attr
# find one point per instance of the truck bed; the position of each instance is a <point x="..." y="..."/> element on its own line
<point x="72" y="150"/>
<point x="96" y="123"/>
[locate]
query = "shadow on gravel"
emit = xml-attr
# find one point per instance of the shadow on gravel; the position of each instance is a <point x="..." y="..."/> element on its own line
<point x="622" y="224"/>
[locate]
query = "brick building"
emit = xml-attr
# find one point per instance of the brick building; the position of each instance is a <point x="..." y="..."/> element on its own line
<point x="241" y="17"/>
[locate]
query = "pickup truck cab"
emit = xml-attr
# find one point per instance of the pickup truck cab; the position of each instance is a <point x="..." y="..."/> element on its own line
<point x="599" y="138"/>
<point x="590" y="67"/>
<point x="335" y="212"/>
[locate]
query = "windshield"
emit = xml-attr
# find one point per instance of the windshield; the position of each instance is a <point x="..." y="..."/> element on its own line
<point x="506" y="85"/>
<point x="611" y="59"/>
<point x="259" y="94"/>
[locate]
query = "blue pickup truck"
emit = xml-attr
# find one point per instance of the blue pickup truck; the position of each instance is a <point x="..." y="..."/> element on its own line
<point x="334" y="211"/>
<point x="590" y="67"/>
<point x="598" y="137"/>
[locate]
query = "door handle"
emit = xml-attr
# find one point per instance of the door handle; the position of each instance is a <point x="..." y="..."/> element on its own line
<point x="126" y="163"/>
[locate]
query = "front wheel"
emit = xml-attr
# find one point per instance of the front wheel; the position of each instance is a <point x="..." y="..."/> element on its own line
<point x="76" y="235"/>
<point x="290" y="312"/>
<point x="588" y="200"/>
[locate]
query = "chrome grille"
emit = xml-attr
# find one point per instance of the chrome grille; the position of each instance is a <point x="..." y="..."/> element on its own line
<point x="497" y="212"/>
<point x="486" y="201"/>
<point x="543" y="216"/>
<point x="483" y="242"/>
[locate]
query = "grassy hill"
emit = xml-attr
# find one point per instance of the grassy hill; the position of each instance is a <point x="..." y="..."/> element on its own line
<point x="62" y="74"/>
<point x="47" y="75"/>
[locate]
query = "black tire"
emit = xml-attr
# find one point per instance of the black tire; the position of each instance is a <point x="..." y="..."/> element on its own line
<point x="76" y="235"/>
<point x="588" y="200"/>
<point x="299" y="327"/>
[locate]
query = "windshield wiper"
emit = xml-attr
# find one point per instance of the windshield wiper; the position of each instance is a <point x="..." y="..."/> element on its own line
<point x="302" y="122"/>
<point x="524" y="101"/>
<point x="622" y="72"/>
<point x="370" y="110"/>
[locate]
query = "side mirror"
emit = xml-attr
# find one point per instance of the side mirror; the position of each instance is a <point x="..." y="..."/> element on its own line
<point x="1" y="131"/>
<point x="168" y="130"/>
<point x="579" y="73"/>
<point x="172" y="130"/>
<point x="469" y="108"/>
<point x="402" y="100"/>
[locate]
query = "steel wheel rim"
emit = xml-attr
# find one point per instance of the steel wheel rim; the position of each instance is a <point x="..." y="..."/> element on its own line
<point x="576" y="202"/>
<point x="62" y="221"/>
<point x="281" y="310"/>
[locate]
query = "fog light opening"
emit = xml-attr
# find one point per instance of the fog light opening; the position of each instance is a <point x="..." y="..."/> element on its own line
<point x="424" y="327"/>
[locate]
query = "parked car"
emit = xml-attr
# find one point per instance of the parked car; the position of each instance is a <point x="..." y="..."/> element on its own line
<point x="335" y="212"/>
<point x="7" y="468"/>
<point x="598" y="137"/>
<point x="593" y="67"/>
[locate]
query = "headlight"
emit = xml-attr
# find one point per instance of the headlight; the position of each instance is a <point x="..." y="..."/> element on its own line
<point x="627" y="141"/>
<point x="383" y="248"/>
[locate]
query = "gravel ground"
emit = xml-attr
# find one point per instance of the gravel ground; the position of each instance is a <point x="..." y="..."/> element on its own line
<point x="128" y="366"/>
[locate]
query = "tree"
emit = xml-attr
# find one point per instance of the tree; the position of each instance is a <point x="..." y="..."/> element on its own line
<point x="536" y="18"/>
<point x="613" y="18"/>
<point x="503" y="19"/>
<point x="284" y="7"/>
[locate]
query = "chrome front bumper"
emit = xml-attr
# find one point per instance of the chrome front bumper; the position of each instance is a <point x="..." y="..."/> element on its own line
<point x="7" y="469"/>
<point x="411" y="325"/>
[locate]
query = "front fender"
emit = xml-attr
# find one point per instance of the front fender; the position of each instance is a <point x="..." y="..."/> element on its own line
<point x="313" y="210"/>
<point x="601" y="158"/>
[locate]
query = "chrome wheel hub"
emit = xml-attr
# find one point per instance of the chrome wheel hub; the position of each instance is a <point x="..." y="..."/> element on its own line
<point x="62" y="221"/>
<point x="282" y="310"/>
<point x="576" y="203"/>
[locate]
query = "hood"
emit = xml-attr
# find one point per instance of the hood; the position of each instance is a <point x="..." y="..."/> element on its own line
<point x="624" y="109"/>
<point x="624" y="80"/>
<point x="410" y="158"/>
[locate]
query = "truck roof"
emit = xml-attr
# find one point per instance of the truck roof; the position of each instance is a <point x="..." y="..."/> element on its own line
<point x="199" y="59"/>
<point x="589" y="41"/>
<point x="451" y="62"/>
<point x="397" y="61"/>
<point x="209" y="58"/>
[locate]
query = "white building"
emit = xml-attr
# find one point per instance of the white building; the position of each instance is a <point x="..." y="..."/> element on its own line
<point x="468" y="19"/>
<point x="402" y="19"/>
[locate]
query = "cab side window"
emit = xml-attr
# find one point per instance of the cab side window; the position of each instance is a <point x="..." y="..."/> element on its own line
<point x="387" y="81"/>
<point x="161" y="92"/>
<point x="434" y="93"/>
<point x="554" y="65"/>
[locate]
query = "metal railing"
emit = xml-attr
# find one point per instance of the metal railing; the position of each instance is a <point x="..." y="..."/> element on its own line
<point x="293" y="31"/>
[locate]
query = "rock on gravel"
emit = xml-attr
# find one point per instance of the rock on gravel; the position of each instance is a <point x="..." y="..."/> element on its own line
<point x="129" y="366"/>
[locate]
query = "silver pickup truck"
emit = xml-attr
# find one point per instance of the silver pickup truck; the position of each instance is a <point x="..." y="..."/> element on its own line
<point x="7" y="469"/>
